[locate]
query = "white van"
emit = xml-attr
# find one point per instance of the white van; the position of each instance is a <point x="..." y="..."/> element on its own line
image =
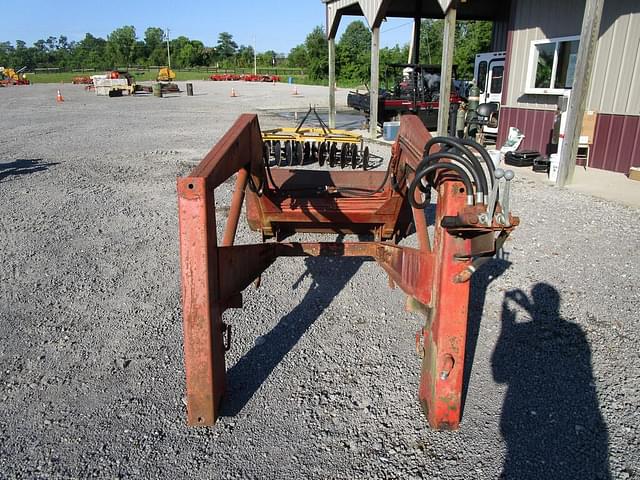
<point x="488" y="73"/>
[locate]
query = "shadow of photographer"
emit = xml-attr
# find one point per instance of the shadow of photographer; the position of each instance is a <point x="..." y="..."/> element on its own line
<point x="551" y="420"/>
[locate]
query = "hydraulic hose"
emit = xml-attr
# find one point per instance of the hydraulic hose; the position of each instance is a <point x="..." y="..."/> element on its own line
<point x="453" y="142"/>
<point x="432" y="168"/>
<point x="478" y="178"/>
<point x="484" y="154"/>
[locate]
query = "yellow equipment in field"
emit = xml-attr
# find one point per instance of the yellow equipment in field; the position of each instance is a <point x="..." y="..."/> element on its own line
<point x="166" y="75"/>
<point x="8" y="76"/>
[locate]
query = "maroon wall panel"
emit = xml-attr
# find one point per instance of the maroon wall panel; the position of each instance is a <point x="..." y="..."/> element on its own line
<point x="616" y="143"/>
<point x="537" y="126"/>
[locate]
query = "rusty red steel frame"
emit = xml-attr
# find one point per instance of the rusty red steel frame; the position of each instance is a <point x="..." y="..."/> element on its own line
<point x="284" y="201"/>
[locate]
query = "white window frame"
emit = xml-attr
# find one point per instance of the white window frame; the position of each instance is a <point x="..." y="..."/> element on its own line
<point x="533" y="63"/>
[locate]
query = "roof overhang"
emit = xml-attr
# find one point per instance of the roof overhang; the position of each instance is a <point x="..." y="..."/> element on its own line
<point x="375" y="11"/>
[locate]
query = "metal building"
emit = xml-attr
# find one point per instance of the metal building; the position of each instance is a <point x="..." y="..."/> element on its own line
<point x="592" y="49"/>
<point x="614" y="92"/>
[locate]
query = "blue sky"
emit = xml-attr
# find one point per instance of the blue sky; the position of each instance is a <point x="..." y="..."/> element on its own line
<point x="277" y="25"/>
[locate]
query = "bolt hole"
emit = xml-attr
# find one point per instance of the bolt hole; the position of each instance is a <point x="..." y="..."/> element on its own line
<point x="200" y="419"/>
<point x="190" y="186"/>
<point x="461" y="190"/>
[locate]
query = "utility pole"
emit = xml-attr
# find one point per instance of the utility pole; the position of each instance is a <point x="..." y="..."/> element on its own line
<point x="168" y="50"/>
<point x="255" y="57"/>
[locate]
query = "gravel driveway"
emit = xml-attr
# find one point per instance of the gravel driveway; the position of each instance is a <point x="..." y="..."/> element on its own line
<point x="322" y="371"/>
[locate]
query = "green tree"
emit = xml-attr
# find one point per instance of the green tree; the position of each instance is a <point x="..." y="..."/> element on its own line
<point x="388" y="56"/>
<point x="153" y="38"/>
<point x="353" y="53"/>
<point x="23" y="56"/>
<point x="180" y="58"/>
<point x="121" y="46"/>
<point x="298" y="57"/>
<point x="317" y="48"/>
<point x="189" y="53"/>
<point x="265" y="59"/>
<point x="6" y="54"/>
<point x="155" y="47"/>
<point x="90" y="52"/>
<point x="226" y="47"/>
<point x="472" y="37"/>
<point x="244" y="56"/>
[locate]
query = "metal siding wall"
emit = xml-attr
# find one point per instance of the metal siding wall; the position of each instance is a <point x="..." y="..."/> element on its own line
<point x="537" y="126"/>
<point x="536" y="20"/>
<point x="616" y="143"/>
<point x="499" y="36"/>
<point x="614" y="87"/>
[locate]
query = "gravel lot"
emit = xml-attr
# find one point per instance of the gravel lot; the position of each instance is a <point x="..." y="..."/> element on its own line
<point x="322" y="372"/>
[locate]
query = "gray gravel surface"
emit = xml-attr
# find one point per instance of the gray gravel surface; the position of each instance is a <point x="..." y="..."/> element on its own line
<point x="322" y="372"/>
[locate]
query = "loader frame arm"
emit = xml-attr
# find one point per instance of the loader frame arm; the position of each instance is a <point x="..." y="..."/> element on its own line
<point x="214" y="273"/>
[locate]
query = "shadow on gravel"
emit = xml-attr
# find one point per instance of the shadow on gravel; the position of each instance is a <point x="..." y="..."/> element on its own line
<point x="551" y="420"/>
<point x="23" y="167"/>
<point x="245" y="377"/>
<point x="480" y="282"/>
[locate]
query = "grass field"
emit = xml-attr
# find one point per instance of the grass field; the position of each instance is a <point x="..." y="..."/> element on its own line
<point x="181" y="76"/>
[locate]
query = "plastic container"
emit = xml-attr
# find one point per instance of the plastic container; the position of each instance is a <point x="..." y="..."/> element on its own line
<point x="553" y="166"/>
<point x="390" y="130"/>
<point x="290" y="80"/>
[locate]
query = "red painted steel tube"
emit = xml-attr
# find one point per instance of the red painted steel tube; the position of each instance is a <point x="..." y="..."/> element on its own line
<point x="201" y="277"/>
<point x="236" y="208"/>
<point x="203" y="344"/>
<point x="445" y="334"/>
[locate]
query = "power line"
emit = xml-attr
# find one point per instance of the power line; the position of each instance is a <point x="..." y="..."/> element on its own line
<point x="396" y="27"/>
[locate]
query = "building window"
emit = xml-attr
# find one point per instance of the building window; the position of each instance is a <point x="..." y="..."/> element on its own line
<point x="482" y="76"/>
<point x="497" y="73"/>
<point x="552" y="65"/>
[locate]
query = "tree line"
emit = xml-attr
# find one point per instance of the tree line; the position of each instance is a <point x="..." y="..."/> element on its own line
<point x="122" y="47"/>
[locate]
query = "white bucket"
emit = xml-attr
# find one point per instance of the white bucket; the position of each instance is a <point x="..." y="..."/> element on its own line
<point x="553" y="166"/>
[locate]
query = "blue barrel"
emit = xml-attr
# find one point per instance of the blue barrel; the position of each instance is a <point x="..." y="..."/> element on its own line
<point x="290" y="80"/>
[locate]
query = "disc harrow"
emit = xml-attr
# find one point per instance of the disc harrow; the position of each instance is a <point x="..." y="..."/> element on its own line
<point x="302" y="146"/>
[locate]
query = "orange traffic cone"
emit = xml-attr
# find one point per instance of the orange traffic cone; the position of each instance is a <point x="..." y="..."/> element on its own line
<point x="233" y="93"/>
<point x="295" y="90"/>
<point x="59" y="97"/>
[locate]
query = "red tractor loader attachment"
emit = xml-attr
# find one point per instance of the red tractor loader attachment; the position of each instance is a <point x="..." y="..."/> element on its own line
<point x="472" y="220"/>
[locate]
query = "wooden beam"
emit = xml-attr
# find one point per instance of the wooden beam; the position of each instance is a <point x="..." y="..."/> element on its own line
<point x="414" y="48"/>
<point x="375" y="82"/>
<point x="580" y="90"/>
<point x="332" y="82"/>
<point x="445" y="4"/>
<point x="448" y="41"/>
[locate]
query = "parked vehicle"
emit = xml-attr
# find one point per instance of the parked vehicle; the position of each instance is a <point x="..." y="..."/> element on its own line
<point x="410" y="88"/>
<point x="488" y="75"/>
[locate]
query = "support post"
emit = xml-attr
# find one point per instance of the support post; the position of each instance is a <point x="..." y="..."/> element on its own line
<point x="332" y="82"/>
<point x="375" y="82"/>
<point x="447" y="68"/>
<point x="580" y="90"/>
<point x="415" y="44"/>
